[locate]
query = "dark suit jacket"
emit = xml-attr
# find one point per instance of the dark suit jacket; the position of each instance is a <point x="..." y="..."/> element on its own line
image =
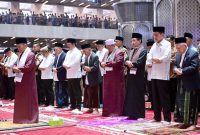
<point x="61" y="74"/>
<point x="95" y="75"/>
<point x="190" y="76"/>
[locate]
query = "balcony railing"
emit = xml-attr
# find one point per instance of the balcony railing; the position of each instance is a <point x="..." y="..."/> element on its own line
<point x="62" y="20"/>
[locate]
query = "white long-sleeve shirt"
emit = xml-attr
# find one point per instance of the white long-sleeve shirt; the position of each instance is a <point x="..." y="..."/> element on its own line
<point x="148" y="70"/>
<point x="55" y="77"/>
<point x="83" y="60"/>
<point x="101" y="54"/>
<point x="10" y="63"/>
<point x="161" y="51"/>
<point x="47" y="64"/>
<point x="73" y="60"/>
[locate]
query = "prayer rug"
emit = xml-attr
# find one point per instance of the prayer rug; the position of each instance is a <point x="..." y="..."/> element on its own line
<point x="138" y="126"/>
<point x="94" y="123"/>
<point x="62" y="131"/>
<point x="166" y="131"/>
<point x="5" y="115"/>
<point x="9" y="125"/>
<point x="192" y="133"/>
<point x="68" y="115"/>
<point x="107" y="121"/>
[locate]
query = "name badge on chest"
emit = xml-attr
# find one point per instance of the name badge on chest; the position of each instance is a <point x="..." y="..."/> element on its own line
<point x="133" y="71"/>
<point x="18" y="77"/>
<point x="109" y="68"/>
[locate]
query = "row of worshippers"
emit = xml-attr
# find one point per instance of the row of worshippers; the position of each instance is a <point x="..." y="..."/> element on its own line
<point x="173" y="78"/>
<point x="58" y="20"/>
<point x="120" y="98"/>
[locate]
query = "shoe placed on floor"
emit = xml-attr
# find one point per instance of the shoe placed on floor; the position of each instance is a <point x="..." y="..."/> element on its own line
<point x="166" y="123"/>
<point x="49" y="108"/>
<point x="58" y="107"/>
<point x="88" y="111"/>
<point x="140" y="119"/>
<point x="95" y="112"/>
<point x="69" y="109"/>
<point x="153" y="121"/>
<point x="1" y="103"/>
<point x="182" y="126"/>
<point x="74" y="110"/>
<point x="191" y="128"/>
<point x="77" y="112"/>
<point x="131" y="118"/>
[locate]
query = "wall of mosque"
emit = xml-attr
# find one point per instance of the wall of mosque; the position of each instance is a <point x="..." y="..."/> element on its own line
<point x="178" y="16"/>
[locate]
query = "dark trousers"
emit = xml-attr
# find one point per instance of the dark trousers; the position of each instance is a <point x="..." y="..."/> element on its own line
<point x="1" y="86"/>
<point x="4" y="86"/>
<point x="75" y="94"/>
<point x="41" y="99"/>
<point x="101" y="92"/>
<point x="173" y="90"/>
<point x="62" y="98"/>
<point x="149" y="90"/>
<point x="47" y="86"/>
<point x="83" y="79"/>
<point x="11" y="88"/>
<point x="91" y="96"/>
<point x="161" y="99"/>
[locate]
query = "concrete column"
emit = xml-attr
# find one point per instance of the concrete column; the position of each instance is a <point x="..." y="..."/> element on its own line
<point x="14" y="7"/>
<point x="100" y="13"/>
<point x="59" y="9"/>
<point x="80" y="11"/>
<point x="37" y="8"/>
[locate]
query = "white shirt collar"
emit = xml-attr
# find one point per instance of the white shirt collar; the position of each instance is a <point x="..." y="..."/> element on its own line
<point x="185" y="52"/>
<point x="90" y="54"/>
<point x="161" y="42"/>
<point x="73" y="49"/>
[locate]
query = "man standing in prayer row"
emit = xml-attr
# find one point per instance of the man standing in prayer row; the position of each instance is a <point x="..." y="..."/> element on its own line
<point x="113" y="81"/>
<point x="60" y="77"/>
<point x="186" y="68"/>
<point x="134" y="106"/>
<point x="26" y="100"/>
<point x="189" y="40"/>
<point x="72" y="64"/>
<point x="101" y="53"/>
<point x="38" y="60"/>
<point x="12" y="58"/>
<point x="47" y="75"/>
<point x="119" y="44"/>
<point x="159" y="59"/>
<point x="91" y="66"/>
<point x="173" y="78"/>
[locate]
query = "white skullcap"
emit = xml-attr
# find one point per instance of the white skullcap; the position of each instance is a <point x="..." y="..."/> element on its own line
<point x="45" y="49"/>
<point x="110" y="42"/>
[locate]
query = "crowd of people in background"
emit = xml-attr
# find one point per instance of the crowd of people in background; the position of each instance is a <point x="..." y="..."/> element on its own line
<point x="86" y="21"/>
<point x="109" y="74"/>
